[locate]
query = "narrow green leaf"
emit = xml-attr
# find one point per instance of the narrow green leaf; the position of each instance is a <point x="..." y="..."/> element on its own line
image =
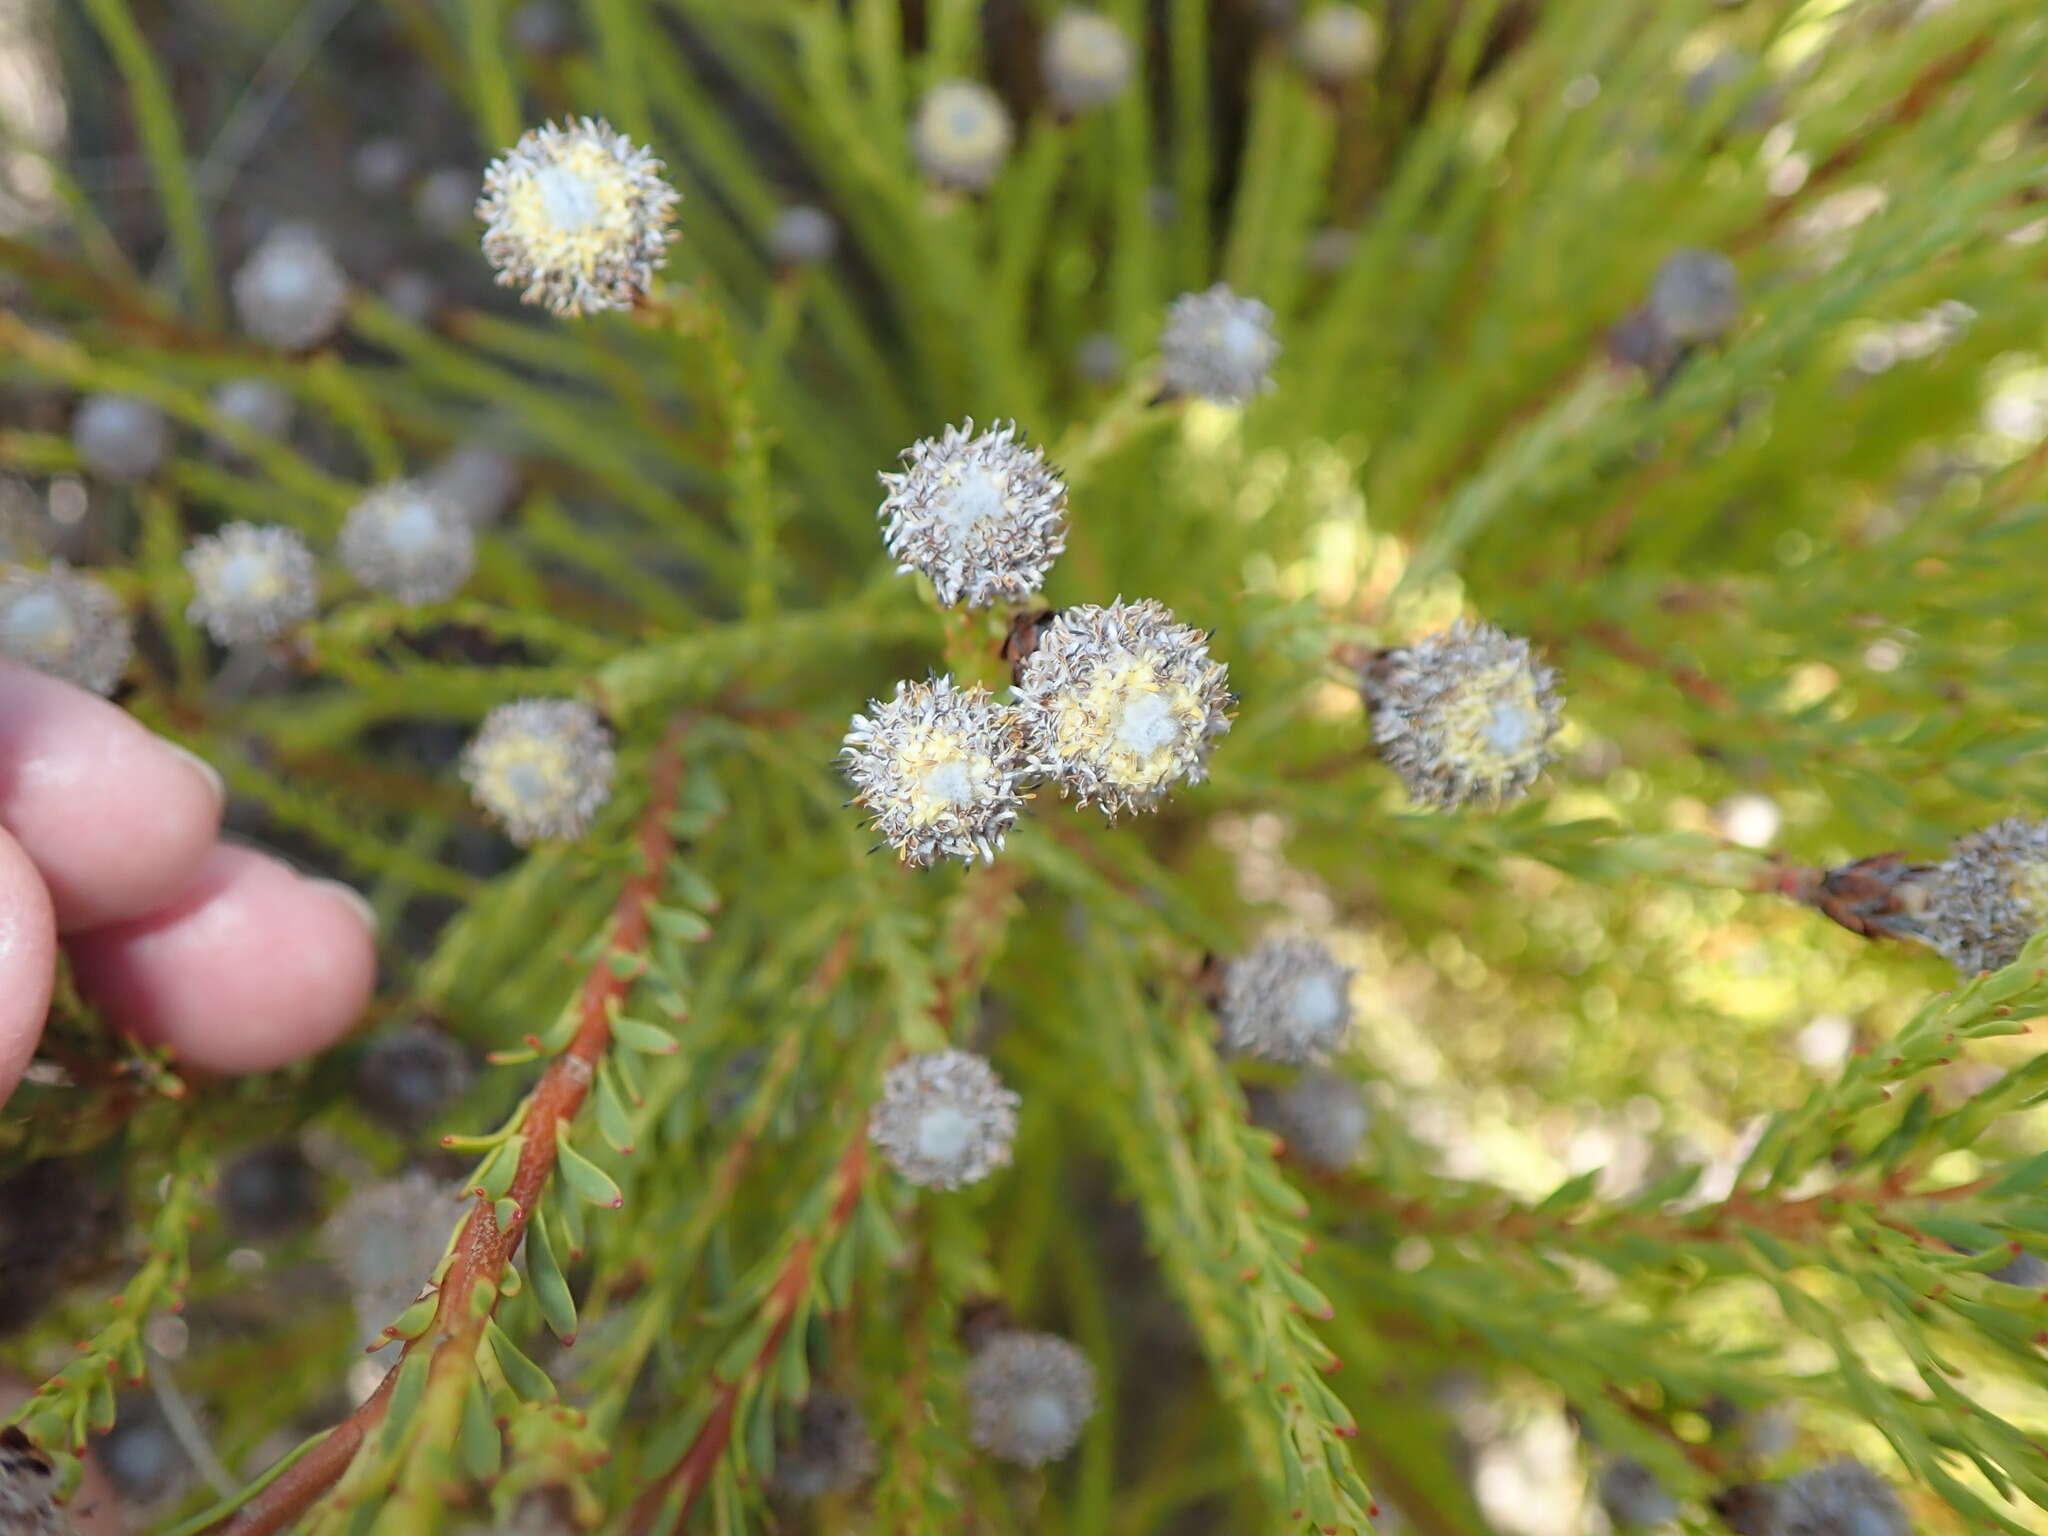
<point x="550" y="1288"/>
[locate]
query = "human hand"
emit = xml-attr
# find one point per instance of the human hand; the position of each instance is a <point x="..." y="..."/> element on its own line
<point x="109" y="845"/>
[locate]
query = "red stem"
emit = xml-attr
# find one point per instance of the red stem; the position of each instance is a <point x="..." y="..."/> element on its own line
<point x="484" y="1248"/>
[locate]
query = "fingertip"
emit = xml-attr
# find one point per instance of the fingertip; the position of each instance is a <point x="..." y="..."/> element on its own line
<point x="249" y="969"/>
<point x="115" y="817"/>
<point x="28" y="960"/>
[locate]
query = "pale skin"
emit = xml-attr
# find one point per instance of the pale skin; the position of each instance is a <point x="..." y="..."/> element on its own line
<point x="110" y="847"/>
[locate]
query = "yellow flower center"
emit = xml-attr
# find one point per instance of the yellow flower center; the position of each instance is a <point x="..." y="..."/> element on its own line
<point x="941" y="776"/>
<point x="568" y="213"/>
<point x="2029" y="889"/>
<point x="1494" y="724"/>
<point x="530" y="773"/>
<point x="1130" y="722"/>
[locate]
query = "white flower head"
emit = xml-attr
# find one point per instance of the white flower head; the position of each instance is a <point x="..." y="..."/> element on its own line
<point x="66" y="625"/>
<point x="1839" y="1498"/>
<point x="387" y="1239"/>
<point x="945" y="1120"/>
<point x="407" y="540"/>
<point x="29" y="1490"/>
<point x="829" y="1452"/>
<point x="577" y="217"/>
<point x="1696" y="296"/>
<point x="120" y="438"/>
<point x="1218" y="346"/>
<point x="983" y="516"/>
<point x="1287" y="1000"/>
<point x="961" y="135"/>
<point x="937" y="767"/>
<point x="1462" y="716"/>
<point x="1990" y="895"/>
<point x="803" y="236"/>
<point x="1029" y="1395"/>
<point x="1119" y="704"/>
<point x="1086" y="59"/>
<point x="540" y="768"/>
<point x="1336" y="43"/>
<point x="291" y="292"/>
<point x="1321" y="1117"/>
<point x="262" y="406"/>
<point x="251" y="583"/>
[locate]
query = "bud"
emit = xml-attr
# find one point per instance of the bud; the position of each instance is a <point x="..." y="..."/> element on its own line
<point x="945" y="1120"/>
<point x="961" y="135"/>
<point x="290" y="292"/>
<point x="120" y="438"/>
<point x="1218" y="346"/>
<point x="1028" y="1397"/>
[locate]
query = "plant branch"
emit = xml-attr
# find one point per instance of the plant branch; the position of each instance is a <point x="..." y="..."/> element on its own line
<point x="484" y="1248"/>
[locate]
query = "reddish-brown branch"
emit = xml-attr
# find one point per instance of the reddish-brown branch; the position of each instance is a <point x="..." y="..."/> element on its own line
<point x="690" y="1476"/>
<point x="483" y="1248"/>
<point x="1695" y="684"/>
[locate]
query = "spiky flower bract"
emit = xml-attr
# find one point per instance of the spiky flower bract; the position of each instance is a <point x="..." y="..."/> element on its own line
<point x="1989" y="896"/>
<point x="1336" y="43"/>
<point x="1028" y="1397"/>
<point x="983" y="516"/>
<point x="961" y="135"/>
<point x="1465" y="715"/>
<point x="1086" y="58"/>
<point x="540" y="768"/>
<point x="386" y="1239"/>
<point x="1696" y="296"/>
<point x="945" y="1120"/>
<point x="1320" y="1116"/>
<point x="251" y="583"/>
<point x="290" y="292"/>
<point x="407" y="540"/>
<point x="28" y="1490"/>
<point x="1838" y="1498"/>
<point x="120" y="438"/>
<point x="1287" y="1000"/>
<point x="803" y="236"/>
<point x="1218" y="346"/>
<point x="68" y="626"/>
<point x="829" y="1450"/>
<point x="937" y="767"/>
<point x="1119" y="704"/>
<point x="576" y="217"/>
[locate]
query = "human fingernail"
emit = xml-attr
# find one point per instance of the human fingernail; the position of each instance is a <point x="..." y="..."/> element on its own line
<point x="206" y="770"/>
<point x="356" y="900"/>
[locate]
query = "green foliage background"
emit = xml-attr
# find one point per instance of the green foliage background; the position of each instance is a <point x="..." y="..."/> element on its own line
<point x="1784" y="575"/>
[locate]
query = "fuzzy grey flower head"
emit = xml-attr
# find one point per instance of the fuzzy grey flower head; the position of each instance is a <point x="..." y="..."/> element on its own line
<point x="28" y="1490"/>
<point x="263" y="407"/>
<point x="68" y="626"/>
<point x="1218" y="346"/>
<point x="291" y="292"/>
<point x="803" y="236"/>
<point x="1287" y="1000"/>
<point x="1028" y="1397"/>
<point x="1119" y="704"/>
<point x="120" y="438"/>
<point x="983" y="516"/>
<point x="1989" y="896"/>
<point x="829" y="1452"/>
<point x="540" y="768"/>
<point x="937" y="768"/>
<point x="251" y="583"/>
<point x="1087" y="60"/>
<point x="961" y="135"/>
<point x="408" y="541"/>
<point x="1321" y="1116"/>
<point x="480" y="479"/>
<point x="576" y="217"/>
<point x="1336" y="43"/>
<point x="1632" y="1496"/>
<point x="1839" y="1498"/>
<point x="386" y="1239"/>
<point x="1465" y="715"/>
<point x="945" y="1120"/>
<point x="1696" y="296"/>
<point x="1099" y="358"/>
